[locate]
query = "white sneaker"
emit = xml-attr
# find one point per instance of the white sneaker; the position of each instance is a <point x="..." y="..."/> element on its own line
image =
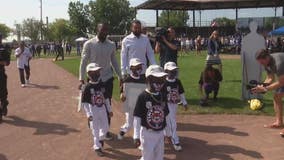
<point x="177" y="147"/>
<point x="119" y="137"/>
<point x="23" y="85"/>
<point x="140" y="147"/>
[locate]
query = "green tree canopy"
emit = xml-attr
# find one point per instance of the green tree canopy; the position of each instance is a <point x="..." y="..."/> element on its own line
<point x="31" y="28"/>
<point x="223" y="21"/>
<point x="4" y="30"/>
<point x="173" y="18"/>
<point x="79" y="17"/>
<point x="60" y="30"/>
<point x="116" y="13"/>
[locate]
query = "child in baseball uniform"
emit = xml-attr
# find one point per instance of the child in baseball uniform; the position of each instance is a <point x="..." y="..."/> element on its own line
<point x="133" y="85"/>
<point x="174" y="91"/>
<point x="150" y="115"/>
<point x="96" y="106"/>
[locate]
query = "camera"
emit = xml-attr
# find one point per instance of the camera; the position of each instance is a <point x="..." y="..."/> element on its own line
<point x="254" y="83"/>
<point x="159" y="33"/>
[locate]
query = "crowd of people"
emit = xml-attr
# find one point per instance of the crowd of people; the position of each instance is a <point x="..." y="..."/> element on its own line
<point x="150" y="91"/>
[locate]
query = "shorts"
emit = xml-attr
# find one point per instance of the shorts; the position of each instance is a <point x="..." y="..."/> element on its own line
<point x="280" y="90"/>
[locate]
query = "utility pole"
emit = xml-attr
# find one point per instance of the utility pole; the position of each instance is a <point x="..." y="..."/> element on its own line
<point x="41" y="37"/>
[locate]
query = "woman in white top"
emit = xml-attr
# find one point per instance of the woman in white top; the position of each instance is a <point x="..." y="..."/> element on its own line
<point x="23" y="56"/>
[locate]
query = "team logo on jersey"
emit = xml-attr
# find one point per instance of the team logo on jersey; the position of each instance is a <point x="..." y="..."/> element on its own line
<point x="155" y="117"/>
<point x="173" y="96"/>
<point x="98" y="99"/>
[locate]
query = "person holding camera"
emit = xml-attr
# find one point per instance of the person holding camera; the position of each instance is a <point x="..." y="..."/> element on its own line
<point x="4" y="61"/>
<point x="167" y="46"/>
<point x="274" y="66"/>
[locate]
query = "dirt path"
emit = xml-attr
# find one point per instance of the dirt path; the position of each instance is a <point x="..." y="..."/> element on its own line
<point x="43" y="125"/>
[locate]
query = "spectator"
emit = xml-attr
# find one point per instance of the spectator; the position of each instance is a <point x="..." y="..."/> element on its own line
<point x="274" y="66"/>
<point x="209" y="82"/>
<point x="168" y="48"/>
<point x="24" y="56"/>
<point x="213" y="51"/>
<point x="4" y="61"/>
<point x="136" y="45"/>
<point x="59" y="51"/>
<point x="198" y="44"/>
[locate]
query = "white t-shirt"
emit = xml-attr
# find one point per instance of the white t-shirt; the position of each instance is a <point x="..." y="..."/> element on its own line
<point x="23" y="59"/>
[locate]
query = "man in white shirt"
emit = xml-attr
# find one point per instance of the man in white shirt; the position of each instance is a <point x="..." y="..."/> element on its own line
<point x="136" y="45"/>
<point x="23" y="56"/>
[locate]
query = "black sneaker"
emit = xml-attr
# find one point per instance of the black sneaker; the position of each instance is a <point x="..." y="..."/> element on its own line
<point x="5" y="111"/>
<point x="108" y="136"/>
<point x="4" y="108"/>
<point x="102" y="143"/>
<point x="99" y="152"/>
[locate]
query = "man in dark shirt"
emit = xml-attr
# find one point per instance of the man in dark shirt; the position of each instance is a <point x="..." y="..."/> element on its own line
<point x="4" y="61"/>
<point x="274" y="66"/>
<point x="167" y="48"/>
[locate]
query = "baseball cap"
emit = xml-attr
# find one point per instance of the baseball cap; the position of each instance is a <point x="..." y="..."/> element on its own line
<point x="135" y="62"/>
<point x="261" y="54"/>
<point x="93" y="67"/>
<point x="156" y="71"/>
<point x="170" y="66"/>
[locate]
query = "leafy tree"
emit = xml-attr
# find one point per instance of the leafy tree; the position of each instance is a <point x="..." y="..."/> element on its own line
<point x="268" y="23"/>
<point x="223" y="21"/>
<point x="173" y="18"/>
<point x="79" y="17"/>
<point x="31" y="28"/>
<point x="5" y="30"/>
<point x="60" y="30"/>
<point x="116" y="13"/>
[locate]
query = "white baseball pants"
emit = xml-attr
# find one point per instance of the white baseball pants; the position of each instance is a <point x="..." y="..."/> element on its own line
<point x="171" y="128"/>
<point x="152" y="143"/>
<point x="99" y="125"/>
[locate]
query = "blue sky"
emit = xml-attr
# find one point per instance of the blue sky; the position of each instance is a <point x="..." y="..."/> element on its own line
<point x="14" y="11"/>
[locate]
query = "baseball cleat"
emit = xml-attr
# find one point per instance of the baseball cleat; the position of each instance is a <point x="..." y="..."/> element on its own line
<point x="177" y="147"/>
<point x="23" y="85"/>
<point x="27" y="81"/>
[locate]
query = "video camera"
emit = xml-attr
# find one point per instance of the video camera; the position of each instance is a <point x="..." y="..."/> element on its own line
<point x="253" y="83"/>
<point x="159" y="33"/>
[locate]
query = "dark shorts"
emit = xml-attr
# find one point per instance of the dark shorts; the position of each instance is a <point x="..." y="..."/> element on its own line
<point x="280" y="90"/>
<point x="109" y="87"/>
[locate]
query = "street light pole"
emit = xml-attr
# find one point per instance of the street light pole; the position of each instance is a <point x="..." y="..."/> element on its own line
<point x="41" y="20"/>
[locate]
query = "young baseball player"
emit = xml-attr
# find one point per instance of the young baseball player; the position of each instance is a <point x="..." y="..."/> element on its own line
<point x="175" y="93"/>
<point x="133" y="85"/>
<point x="96" y="106"/>
<point x="150" y="115"/>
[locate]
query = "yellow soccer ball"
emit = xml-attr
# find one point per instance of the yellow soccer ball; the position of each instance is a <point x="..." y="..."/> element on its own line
<point x="255" y="104"/>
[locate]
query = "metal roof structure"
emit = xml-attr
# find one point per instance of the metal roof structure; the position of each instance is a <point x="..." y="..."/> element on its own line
<point x="208" y="4"/>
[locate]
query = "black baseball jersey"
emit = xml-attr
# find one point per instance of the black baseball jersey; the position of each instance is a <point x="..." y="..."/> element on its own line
<point x="152" y="109"/>
<point x="173" y="91"/>
<point x="4" y="56"/>
<point x="94" y="94"/>
<point x="130" y="79"/>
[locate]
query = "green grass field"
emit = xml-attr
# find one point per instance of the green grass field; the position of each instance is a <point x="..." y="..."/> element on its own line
<point x="190" y="68"/>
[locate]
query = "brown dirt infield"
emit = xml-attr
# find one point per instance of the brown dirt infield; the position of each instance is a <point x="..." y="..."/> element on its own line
<point x="43" y="125"/>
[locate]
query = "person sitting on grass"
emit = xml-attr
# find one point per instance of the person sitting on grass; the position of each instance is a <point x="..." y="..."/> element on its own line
<point x="209" y="82"/>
